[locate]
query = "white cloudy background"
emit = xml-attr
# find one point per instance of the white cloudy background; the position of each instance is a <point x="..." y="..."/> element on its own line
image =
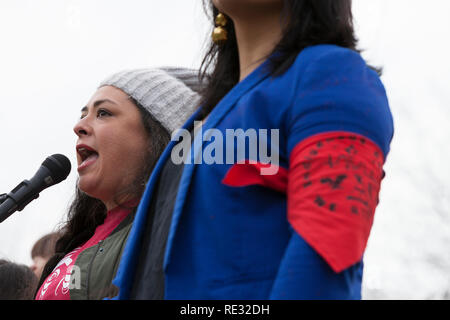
<point x="53" y="53"/>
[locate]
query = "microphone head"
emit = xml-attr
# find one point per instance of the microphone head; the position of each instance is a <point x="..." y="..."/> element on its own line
<point x="59" y="167"/>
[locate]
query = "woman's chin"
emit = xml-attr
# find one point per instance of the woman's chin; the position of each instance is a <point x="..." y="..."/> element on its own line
<point x="90" y="189"/>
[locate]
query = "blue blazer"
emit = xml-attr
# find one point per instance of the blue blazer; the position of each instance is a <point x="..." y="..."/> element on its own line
<point x="230" y="242"/>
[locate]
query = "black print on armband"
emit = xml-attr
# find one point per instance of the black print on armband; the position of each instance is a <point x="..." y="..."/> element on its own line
<point x="350" y="149"/>
<point x="352" y="198"/>
<point x="319" y="201"/>
<point x="360" y="190"/>
<point x="358" y="178"/>
<point x="334" y="183"/>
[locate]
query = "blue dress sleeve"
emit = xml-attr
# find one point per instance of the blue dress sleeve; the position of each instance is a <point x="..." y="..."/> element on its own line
<point x="338" y="92"/>
<point x="304" y="275"/>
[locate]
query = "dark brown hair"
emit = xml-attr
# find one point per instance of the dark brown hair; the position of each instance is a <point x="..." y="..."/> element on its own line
<point x="306" y="23"/>
<point x="17" y="282"/>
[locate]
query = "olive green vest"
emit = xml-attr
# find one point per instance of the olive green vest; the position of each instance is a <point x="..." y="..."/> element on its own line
<point x="96" y="267"/>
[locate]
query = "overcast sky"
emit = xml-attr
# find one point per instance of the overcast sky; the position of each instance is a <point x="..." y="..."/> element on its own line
<point x="54" y="53"/>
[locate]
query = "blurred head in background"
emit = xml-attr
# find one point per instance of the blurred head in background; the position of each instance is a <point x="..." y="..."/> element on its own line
<point x="43" y="250"/>
<point x="17" y="282"/>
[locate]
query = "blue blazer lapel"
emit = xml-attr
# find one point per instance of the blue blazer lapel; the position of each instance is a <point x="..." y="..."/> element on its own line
<point x="125" y="272"/>
<point x="216" y="115"/>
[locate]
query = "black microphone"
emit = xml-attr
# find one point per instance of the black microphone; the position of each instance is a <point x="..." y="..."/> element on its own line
<point x="53" y="170"/>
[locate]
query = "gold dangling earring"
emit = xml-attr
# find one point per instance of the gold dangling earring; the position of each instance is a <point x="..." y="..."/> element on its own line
<point x="220" y="35"/>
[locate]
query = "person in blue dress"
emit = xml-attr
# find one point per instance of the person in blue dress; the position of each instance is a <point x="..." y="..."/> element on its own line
<point x="276" y="192"/>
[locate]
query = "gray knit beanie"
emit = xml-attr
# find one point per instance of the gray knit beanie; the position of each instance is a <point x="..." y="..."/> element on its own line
<point x="169" y="94"/>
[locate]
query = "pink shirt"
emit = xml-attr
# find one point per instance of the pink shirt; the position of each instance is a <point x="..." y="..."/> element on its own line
<point x="56" y="286"/>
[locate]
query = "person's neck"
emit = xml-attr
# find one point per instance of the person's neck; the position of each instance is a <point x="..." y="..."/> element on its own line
<point x="256" y="39"/>
<point x="125" y="202"/>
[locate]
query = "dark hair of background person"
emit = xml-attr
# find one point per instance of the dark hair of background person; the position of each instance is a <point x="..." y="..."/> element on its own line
<point x="87" y="213"/>
<point x="17" y="282"/>
<point x="306" y="23"/>
<point x="45" y="246"/>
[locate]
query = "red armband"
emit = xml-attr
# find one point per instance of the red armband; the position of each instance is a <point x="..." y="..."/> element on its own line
<point x="333" y="184"/>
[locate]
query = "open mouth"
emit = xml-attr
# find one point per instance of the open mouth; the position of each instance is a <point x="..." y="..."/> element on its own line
<point x="87" y="155"/>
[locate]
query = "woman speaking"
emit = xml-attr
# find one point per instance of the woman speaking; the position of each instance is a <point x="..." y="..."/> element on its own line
<point x="121" y="133"/>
